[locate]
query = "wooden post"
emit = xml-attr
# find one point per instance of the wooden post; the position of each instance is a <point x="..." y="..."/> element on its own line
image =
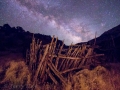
<point x="68" y="61"/>
<point x="56" y="72"/>
<point x="90" y="50"/>
<point x="55" y="45"/>
<point x="83" y="48"/>
<point x="51" y="45"/>
<point x="57" y="59"/>
<point x="67" y="54"/>
<point x="71" y="63"/>
<point x="64" y="60"/>
<point x="39" y="66"/>
<point x="51" y="76"/>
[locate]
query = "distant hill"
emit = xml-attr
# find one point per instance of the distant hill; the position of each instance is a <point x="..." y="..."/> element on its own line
<point x="109" y="43"/>
<point x="17" y="40"/>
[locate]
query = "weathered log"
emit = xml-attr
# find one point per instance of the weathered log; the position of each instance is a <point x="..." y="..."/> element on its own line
<point x="73" y="59"/>
<point x="51" y="45"/>
<point x="39" y="66"/>
<point x="90" y="51"/>
<point x="55" y="45"/>
<point x="57" y="59"/>
<point x="68" y="65"/>
<point x="51" y="76"/>
<point x="62" y="65"/>
<point x="73" y="63"/>
<point x="56" y="72"/>
<point x="43" y="69"/>
<point x="75" y="68"/>
<point x="77" y="58"/>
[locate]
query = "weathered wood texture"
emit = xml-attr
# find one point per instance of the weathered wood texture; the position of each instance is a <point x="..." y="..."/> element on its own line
<point x="48" y="62"/>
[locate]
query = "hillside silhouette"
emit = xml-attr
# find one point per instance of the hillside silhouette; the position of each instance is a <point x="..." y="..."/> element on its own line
<point x="52" y="65"/>
<point x="109" y="44"/>
<point x="17" y="40"/>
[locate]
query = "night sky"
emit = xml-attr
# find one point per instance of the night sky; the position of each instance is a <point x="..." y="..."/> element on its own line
<point x="71" y="20"/>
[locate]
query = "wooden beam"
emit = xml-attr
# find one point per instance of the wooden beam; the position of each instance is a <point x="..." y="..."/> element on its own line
<point x="77" y="58"/>
<point x="43" y="69"/>
<point x="56" y="72"/>
<point x="68" y="65"/>
<point x="64" y="60"/>
<point x="72" y="69"/>
<point x="39" y="66"/>
<point x="51" y="45"/>
<point x="51" y="76"/>
<point x="90" y="51"/>
<point x="57" y="59"/>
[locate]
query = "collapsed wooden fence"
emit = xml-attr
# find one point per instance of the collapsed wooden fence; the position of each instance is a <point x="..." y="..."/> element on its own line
<point x="52" y="62"/>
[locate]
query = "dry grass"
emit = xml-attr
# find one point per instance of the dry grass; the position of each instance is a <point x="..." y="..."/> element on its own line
<point x="99" y="78"/>
<point x="17" y="74"/>
<point x="48" y="86"/>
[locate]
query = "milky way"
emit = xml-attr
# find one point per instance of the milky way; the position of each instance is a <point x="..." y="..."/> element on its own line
<point x="71" y="20"/>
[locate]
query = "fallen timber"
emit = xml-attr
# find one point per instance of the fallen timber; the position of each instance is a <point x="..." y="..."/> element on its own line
<point x="49" y="62"/>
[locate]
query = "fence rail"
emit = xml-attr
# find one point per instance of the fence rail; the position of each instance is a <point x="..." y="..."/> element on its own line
<point x="47" y="61"/>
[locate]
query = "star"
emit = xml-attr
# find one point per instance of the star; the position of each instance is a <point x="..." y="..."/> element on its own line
<point x="70" y="20"/>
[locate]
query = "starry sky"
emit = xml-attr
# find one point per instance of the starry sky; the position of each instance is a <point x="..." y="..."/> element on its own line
<point x="69" y="20"/>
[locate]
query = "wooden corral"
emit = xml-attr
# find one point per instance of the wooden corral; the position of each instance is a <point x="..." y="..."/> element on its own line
<point x="52" y="62"/>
